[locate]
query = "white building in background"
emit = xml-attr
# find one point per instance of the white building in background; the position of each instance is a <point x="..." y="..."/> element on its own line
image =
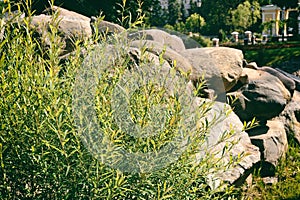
<point x="185" y="3"/>
<point x="299" y="24"/>
<point x="164" y="4"/>
<point x="273" y="13"/>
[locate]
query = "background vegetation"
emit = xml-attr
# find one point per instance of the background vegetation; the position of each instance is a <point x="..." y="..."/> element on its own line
<point x="225" y="15"/>
<point x="273" y="56"/>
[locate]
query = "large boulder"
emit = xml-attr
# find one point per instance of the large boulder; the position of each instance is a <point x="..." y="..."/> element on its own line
<point x="217" y="63"/>
<point x="229" y="145"/>
<point x="295" y="78"/>
<point x="176" y="60"/>
<point x="272" y="141"/>
<point x="106" y="27"/>
<point x="172" y="57"/>
<point x="291" y="117"/>
<point x="204" y="69"/>
<point x="72" y="24"/>
<point x="40" y="24"/>
<point x="288" y="82"/>
<point x="263" y="97"/>
<point x="66" y="13"/>
<point x="14" y="17"/>
<point x="70" y="27"/>
<point x="172" y="41"/>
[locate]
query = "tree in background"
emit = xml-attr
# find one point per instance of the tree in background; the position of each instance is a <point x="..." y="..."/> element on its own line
<point x="194" y="23"/>
<point x="217" y="15"/>
<point x="85" y="7"/>
<point x="108" y="8"/>
<point x="245" y="15"/>
<point x="184" y="13"/>
<point x="155" y="14"/>
<point x="193" y="7"/>
<point x="264" y="2"/>
<point x="174" y="11"/>
<point x="286" y="3"/>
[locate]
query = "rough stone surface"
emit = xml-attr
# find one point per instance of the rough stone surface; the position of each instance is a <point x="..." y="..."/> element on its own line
<point x="238" y="147"/>
<point x="270" y="180"/>
<point x="205" y="68"/>
<point x="2" y="29"/>
<point x="252" y="65"/>
<point x="66" y="13"/>
<point x="41" y="25"/>
<point x="148" y="57"/>
<point x="271" y="140"/>
<point x="295" y="78"/>
<point x="216" y="62"/>
<point x="291" y="117"/>
<point x="287" y="81"/>
<point x="71" y="26"/>
<point x="172" y="57"/>
<point x="291" y="66"/>
<point x="162" y="37"/>
<point x="111" y="28"/>
<point x="264" y="97"/>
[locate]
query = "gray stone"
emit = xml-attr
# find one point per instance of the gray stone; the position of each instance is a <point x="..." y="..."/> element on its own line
<point x="291" y="117"/>
<point x="73" y="24"/>
<point x="270" y="180"/>
<point x="71" y="27"/>
<point x="66" y="13"/>
<point x="295" y="78"/>
<point x="151" y="59"/>
<point x="40" y="24"/>
<point x="217" y="63"/>
<point x="2" y="28"/>
<point x="172" y="57"/>
<point x="107" y="27"/>
<point x="204" y="66"/>
<point x="252" y="65"/>
<point x="226" y="142"/>
<point x="172" y="41"/>
<point x="271" y="140"/>
<point x="288" y="82"/>
<point x="264" y="97"/>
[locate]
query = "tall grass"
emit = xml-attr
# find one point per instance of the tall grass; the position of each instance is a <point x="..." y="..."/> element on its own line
<point x="42" y="155"/>
<point x="287" y="175"/>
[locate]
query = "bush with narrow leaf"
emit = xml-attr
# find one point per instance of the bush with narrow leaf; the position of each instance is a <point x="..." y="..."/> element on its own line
<point x="42" y="155"/>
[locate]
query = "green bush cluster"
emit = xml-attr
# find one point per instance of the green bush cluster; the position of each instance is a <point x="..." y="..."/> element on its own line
<point x="42" y="155"/>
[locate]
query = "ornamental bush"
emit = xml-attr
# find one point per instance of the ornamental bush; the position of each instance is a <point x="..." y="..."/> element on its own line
<point x="43" y="156"/>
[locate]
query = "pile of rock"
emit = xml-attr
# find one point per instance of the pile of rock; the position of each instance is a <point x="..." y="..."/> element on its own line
<point x="269" y="95"/>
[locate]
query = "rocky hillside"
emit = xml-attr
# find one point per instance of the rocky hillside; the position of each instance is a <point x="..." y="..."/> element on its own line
<point x="269" y="95"/>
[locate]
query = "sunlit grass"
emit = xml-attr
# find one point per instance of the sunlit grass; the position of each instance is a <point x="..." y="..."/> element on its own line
<point x="288" y="175"/>
<point x="272" y="57"/>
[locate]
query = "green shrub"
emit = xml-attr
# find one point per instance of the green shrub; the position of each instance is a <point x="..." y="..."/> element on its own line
<point x="43" y="156"/>
<point x="194" y="23"/>
<point x="202" y="40"/>
<point x="169" y="27"/>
